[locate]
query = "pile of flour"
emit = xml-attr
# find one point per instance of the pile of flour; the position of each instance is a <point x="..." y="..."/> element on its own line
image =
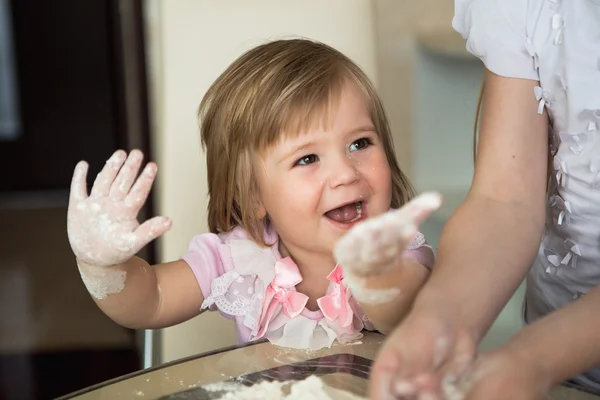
<point x="309" y="388"/>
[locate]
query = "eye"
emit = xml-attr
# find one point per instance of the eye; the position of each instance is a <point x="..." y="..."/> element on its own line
<point x="307" y="160"/>
<point x="360" y="144"/>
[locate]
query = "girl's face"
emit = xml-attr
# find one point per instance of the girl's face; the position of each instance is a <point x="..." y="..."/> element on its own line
<point x="317" y="186"/>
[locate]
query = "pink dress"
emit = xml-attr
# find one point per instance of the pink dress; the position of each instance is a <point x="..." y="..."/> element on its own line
<point x="256" y="287"/>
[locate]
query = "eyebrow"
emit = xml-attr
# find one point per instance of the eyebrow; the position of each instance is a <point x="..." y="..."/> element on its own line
<point x="295" y="150"/>
<point x="304" y="146"/>
<point x="365" y="128"/>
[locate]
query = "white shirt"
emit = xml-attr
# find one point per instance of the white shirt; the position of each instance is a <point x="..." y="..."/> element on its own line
<point x="555" y="42"/>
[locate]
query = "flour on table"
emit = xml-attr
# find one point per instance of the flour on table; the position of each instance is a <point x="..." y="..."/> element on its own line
<point x="309" y="388"/>
<point x="222" y="387"/>
<point x="318" y="390"/>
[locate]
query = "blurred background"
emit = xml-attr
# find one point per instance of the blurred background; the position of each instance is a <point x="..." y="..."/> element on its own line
<point x="81" y="79"/>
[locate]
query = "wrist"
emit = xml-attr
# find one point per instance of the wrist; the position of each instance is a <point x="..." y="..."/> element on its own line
<point x="365" y="292"/>
<point x="85" y="265"/>
<point x="101" y="281"/>
<point x="434" y="300"/>
<point x="95" y="265"/>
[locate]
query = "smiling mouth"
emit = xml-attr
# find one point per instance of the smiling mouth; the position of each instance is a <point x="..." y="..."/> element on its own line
<point x="346" y="214"/>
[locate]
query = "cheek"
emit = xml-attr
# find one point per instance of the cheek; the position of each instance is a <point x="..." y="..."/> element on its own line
<point x="376" y="169"/>
<point x="304" y="192"/>
<point x="293" y="194"/>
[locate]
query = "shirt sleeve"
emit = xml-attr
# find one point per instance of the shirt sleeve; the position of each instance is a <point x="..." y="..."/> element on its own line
<point x="496" y="32"/>
<point x="205" y="255"/>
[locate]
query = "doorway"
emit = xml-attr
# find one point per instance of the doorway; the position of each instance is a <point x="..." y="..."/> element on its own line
<point x="79" y="82"/>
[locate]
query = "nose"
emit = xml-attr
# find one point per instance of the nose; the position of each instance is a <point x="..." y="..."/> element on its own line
<point x="343" y="171"/>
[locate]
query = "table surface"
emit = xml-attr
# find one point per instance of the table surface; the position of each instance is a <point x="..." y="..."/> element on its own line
<point x="207" y="376"/>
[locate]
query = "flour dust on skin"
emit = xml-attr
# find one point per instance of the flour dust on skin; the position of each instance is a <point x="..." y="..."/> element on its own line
<point x="102" y="281"/>
<point x="102" y="227"/>
<point x="366" y="295"/>
<point x="377" y="245"/>
<point x="452" y="387"/>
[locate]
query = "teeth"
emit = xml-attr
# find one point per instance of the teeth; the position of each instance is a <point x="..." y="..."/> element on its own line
<point x="358" y="206"/>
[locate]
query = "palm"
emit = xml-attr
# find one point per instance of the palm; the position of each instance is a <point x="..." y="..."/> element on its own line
<point x="103" y="227"/>
<point x="377" y="244"/>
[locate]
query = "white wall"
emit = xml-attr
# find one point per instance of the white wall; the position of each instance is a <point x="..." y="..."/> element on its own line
<point x="190" y="43"/>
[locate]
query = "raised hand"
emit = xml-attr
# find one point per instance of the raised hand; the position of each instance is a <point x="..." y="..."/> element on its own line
<point x="103" y="228"/>
<point x="377" y="244"/>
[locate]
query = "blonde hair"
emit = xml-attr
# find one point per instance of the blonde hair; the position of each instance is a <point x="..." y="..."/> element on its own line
<point x="276" y="88"/>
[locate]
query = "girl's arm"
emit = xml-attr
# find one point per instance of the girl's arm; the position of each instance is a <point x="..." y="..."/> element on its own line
<point x="489" y="243"/>
<point x="383" y="277"/>
<point x="105" y="235"/>
<point x="150" y="297"/>
<point x="396" y="289"/>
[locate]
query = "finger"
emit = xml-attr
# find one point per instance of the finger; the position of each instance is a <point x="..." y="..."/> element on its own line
<point x="106" y="177"/>
<point x="425" y="395"/>
<point x="78" y="183"/>
<point x="428" y="387"/>
<point x="386" y="367"/>
<point x="459" y="364"/>
<point x="392" y="232"/>
<point x="455" y="381"/>
<point x="467" y="388"/>
<point x="141" y="188"/>
<point x="383" y="375"/>
<point x="419" y="208"/>
<point x="399" y="227"/>
<point x="126" y="176"/>
<point x="424" y="363"/>
<point x="430" y="383"/>
<point x="151" y="229"/>
<point x="447" y="382"/>
<point x="409" y="386"/>
<point x="461" y="391"/>
<point x="395" y="367"/>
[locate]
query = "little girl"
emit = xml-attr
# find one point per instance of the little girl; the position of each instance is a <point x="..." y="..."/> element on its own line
<point x="299" y="151"/>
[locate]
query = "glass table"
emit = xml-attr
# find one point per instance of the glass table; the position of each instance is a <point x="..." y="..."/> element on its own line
<point x="210" y="375"/>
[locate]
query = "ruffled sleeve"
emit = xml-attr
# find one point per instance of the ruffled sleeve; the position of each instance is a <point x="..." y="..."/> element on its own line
<point x="209" y="259"/>
<point x="232" y="272"/>
<point x="420" y="251"/>
<point x="496" y="31"/>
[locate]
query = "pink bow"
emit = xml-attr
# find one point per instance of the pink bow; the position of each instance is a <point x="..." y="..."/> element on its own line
<point x="334" y="304"/>
<point x="287" y="276"/>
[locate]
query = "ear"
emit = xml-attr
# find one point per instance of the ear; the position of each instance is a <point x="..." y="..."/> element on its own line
<point x="260" y="212"/>
<point x="256" y="200"/>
